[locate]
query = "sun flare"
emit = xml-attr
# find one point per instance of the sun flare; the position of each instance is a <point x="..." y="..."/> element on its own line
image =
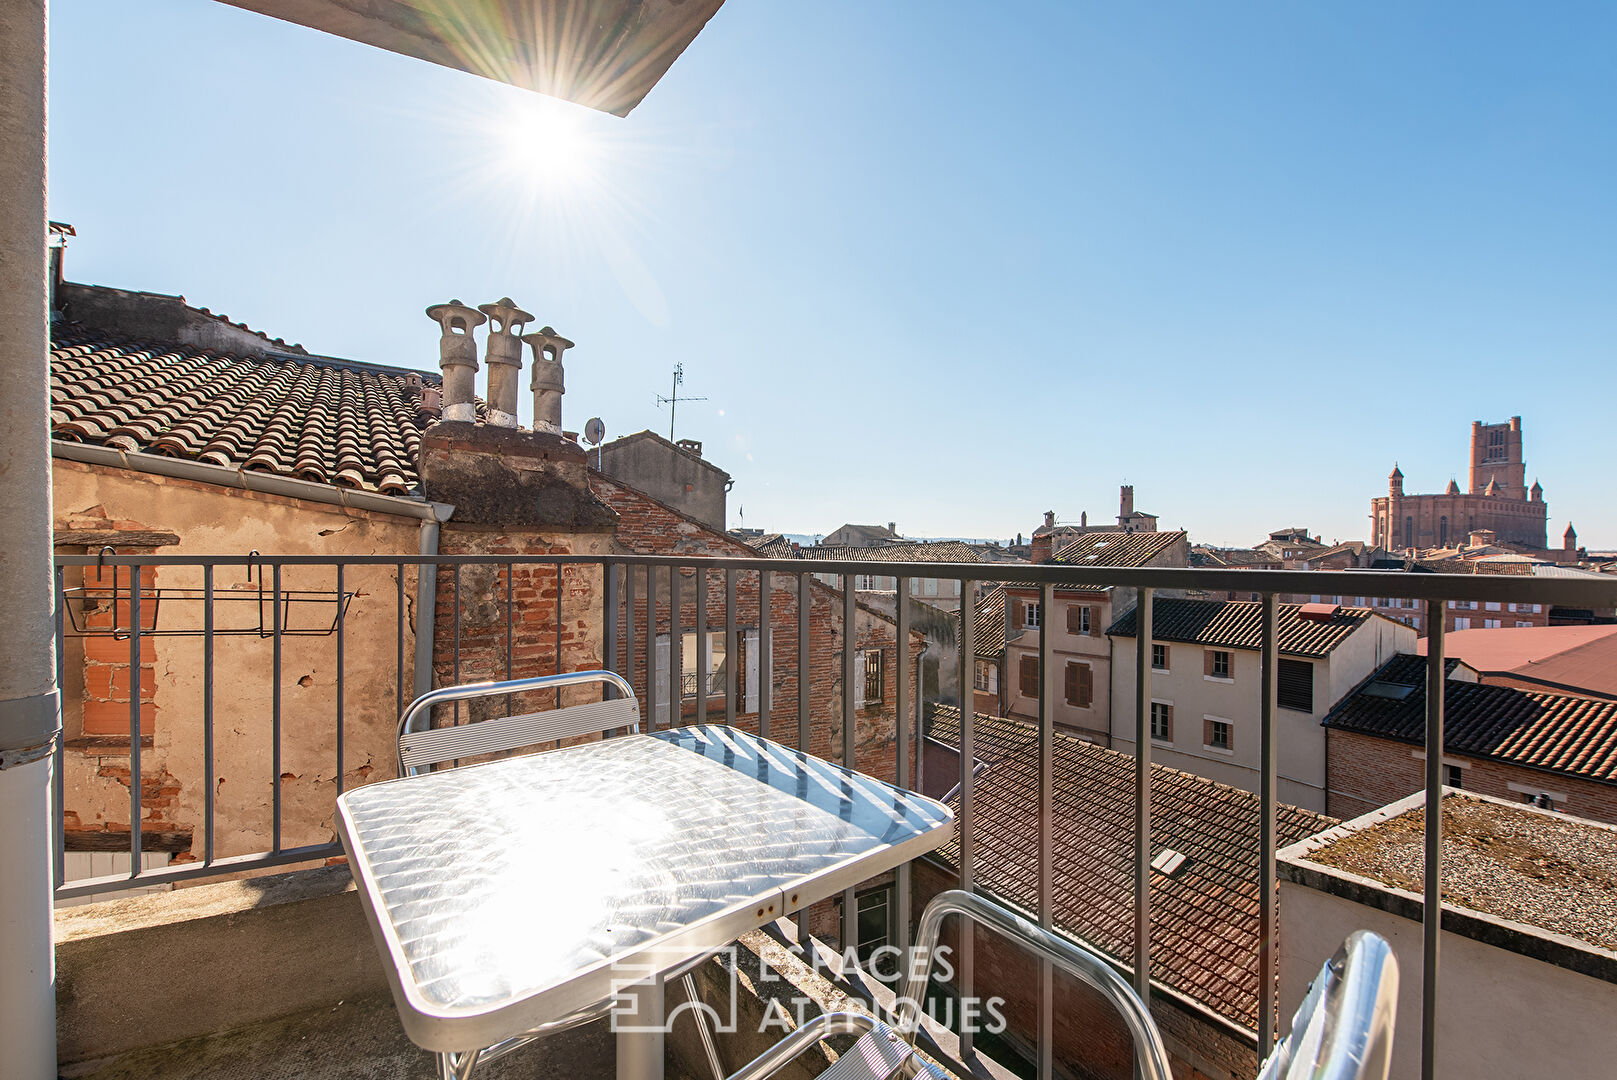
<point x="548" y="143"/>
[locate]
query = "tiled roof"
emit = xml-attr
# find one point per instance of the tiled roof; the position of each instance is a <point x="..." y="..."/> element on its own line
<point x="1238" y="624"/>
<point x="1113" y="548"/>
<point x="988" y="625"/>
<point x="772" y="546"/>
<point x="1204" y="917"/>
<point x="950" y="551"/>
<point x="351" y="425"/>
<point x="1572" y="735"/>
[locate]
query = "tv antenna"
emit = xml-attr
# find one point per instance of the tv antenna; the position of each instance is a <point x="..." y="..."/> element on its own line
<point x="674" y="398"/>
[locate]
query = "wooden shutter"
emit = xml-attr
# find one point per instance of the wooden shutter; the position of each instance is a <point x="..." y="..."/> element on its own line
<point x="1086" y="686"/>
<point x="1207" y="661"/>
<point x="1072" y="683"/>
<point x="1030" y="676"/>
<point x="1019" y="614"/>
<point x="1296" y="685"/>
<point x="1074" y="625"/>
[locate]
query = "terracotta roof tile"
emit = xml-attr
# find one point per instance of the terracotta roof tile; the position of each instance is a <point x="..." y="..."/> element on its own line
<point x="327" y="421"/>
<point x="1204" y="918"/>
<point x="1238" y="624"/>
<point x="1572" y="735"/>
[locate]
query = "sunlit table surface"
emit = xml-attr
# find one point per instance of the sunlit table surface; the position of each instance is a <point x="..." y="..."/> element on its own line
<point x="513" y="893"/>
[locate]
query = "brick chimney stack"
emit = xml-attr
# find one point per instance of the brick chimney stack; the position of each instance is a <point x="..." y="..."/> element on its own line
<point x="506" y="323"/>
<point x="547" y="384"/>
<point x="1039" y="547"/>
<point x="457" y="355"/>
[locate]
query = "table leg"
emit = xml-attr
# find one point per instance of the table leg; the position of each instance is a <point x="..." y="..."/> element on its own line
<point x="639" y="1026"/>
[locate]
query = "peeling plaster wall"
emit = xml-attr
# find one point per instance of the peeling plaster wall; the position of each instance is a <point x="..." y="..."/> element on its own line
<point x="222" y="521"/>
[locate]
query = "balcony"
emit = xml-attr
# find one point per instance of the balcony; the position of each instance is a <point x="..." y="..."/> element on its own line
<point x="250" y="735"/>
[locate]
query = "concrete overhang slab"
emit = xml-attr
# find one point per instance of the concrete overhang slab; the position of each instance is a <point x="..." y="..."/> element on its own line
<point x="606" y="54"/>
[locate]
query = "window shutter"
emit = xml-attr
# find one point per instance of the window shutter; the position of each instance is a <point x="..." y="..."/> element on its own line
<point x="1296" y="685"/>
<point x="859" y="679"/>
<point x="1073" y="619"/>
<point x="1030" y="676"/>
<point x="1207" y="661"/>
<point x="1073" y="682"/>
<point x="1086" y="685"/>
<point x="1020" y="611"/>
<point x="751" y="654"/>
<point x="1168" y="716"/>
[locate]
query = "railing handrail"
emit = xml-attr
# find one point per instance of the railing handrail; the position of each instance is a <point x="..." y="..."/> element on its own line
<point x="1582" y="592"/>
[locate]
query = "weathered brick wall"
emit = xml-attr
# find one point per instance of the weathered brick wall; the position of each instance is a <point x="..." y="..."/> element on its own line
<point x="1090" y="1041"/>
<point x="1366" y="773"/>
<point x="647" y="527"/>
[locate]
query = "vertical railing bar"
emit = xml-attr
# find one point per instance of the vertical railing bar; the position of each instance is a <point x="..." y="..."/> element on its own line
<point x="134" y="709"/>
<point x="1268" y="792"/>
<point x="651" y="648"/>
<point x="59" y="759"/>
<point x="207" y="716"/>
<point x="342" y="622"/>
<point x="766" y="652"/>
<point x="904" y="732"/>
<point x="1047" y="733"/>
<point x="1432" y="911"/>
<point x="968" y="839"/>
<point x="805" y="665"/>
<point x="455" y="576"/>
<point x="558" y="633"/>
<point x="730" y="655"/>
<point x="1142" y="794"/>
<point x="275" y="718"/>
<point x="610" y="591"/>
<point x="398" y="636"/>
<point x="704" y="648"/>
<point x="676" y="652"/>
<point x="850" y="739"/>
<point x="510" y="619"/>
<point x="628" y="624"/>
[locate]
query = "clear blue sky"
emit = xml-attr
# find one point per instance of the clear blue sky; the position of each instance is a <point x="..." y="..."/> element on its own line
<point x="948" y="264"/>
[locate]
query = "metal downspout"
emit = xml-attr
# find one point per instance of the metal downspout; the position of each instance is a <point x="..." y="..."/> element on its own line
<point x="426" y="599"/>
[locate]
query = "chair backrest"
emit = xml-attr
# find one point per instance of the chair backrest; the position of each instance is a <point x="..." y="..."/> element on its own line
<point x="1150" y="1054"/>
<point x="1343" y="1028"/>
<point x="421" y="746"/>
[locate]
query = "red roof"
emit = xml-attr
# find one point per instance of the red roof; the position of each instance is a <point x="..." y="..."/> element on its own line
<point x="1572" y="658"/>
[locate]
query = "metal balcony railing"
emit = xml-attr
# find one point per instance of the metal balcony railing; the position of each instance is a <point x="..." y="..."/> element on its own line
<point x="633" y="598"/>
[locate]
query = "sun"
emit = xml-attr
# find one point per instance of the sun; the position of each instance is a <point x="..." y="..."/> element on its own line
<point x="548" y="143"/>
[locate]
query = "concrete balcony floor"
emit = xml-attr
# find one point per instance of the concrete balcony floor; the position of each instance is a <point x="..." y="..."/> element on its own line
<point x="354" y="1040"/>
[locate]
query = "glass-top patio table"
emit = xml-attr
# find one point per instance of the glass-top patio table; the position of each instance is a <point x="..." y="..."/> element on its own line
<point x="513" y="894"/>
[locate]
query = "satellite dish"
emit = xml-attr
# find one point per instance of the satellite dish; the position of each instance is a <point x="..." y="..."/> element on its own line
<point x="594" y="431"/>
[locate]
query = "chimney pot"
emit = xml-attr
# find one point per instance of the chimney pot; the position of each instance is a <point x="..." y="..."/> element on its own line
<point x="457" y="355"/>
<point x="547" y="385"/>
<point x="506" y="323"/>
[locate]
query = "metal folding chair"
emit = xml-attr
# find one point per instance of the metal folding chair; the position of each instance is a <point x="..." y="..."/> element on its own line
<point x="883" y="1053"/>
<point x="422" y="747"/>
<point x="1342" y="1030"/>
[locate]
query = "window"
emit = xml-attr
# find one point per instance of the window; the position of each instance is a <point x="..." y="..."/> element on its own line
<point x="1409" y="532"/>
<point x="1491" y="605"/>
<point x="1162" y="721"/>
<point x="689" y="679"/>
<point x="1462" y="623"/>
<point x="867" y="582"/>
<point x="1296" y="685"/>
<point x="1080" y="685"/>
<point x="1519" y="622"/>
<point x="1030" y="616"/>
<point x="987" y="679"/>
<point x="1443" y="531"/>
<point x="875" y="925"/>
<point x="1218" y="664"/>
<point x="1541" y="800"/>
<point x="1492" y="624"/>
<point x="1453" y="776"/>
<point x="1078" y="616"/>
<point x="873" y="677"/>
<point x="929" y="587"/>
<point x="1159" y="658"/>
<point x="1217" y="734"/>
<point x="1030" y="676"/>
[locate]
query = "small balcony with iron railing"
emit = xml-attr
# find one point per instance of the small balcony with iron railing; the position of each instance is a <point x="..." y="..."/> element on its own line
<point x="276" y="682"/>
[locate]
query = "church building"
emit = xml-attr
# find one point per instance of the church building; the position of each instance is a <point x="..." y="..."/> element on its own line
<point x="1498" y="501"/>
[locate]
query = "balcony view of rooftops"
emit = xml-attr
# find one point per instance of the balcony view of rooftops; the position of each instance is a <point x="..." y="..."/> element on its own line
<point x="641" y="538"/>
